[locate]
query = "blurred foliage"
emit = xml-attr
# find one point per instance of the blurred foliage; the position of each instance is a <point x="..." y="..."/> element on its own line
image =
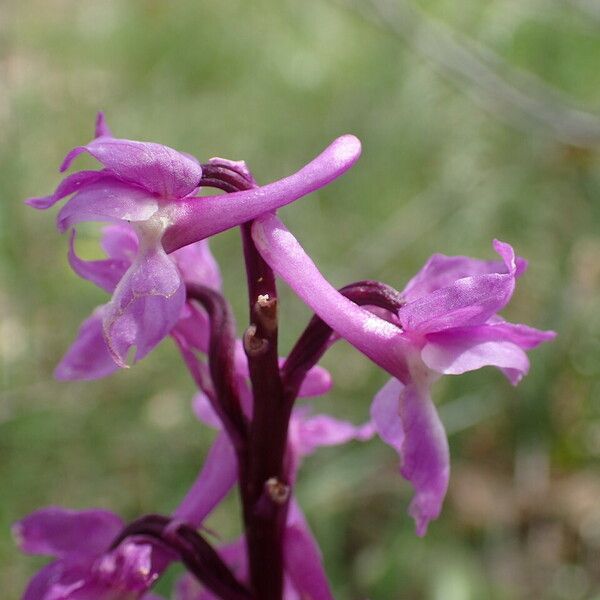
<point x="273" y="83"/>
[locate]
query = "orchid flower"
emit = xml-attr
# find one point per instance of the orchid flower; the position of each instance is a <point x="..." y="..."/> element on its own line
<point x="447" y="325"/>
<point x="84" y="568"/>
<point x="152" y="187"/>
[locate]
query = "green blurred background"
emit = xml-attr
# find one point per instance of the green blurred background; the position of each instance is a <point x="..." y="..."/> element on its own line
<point x="454" y="154"/>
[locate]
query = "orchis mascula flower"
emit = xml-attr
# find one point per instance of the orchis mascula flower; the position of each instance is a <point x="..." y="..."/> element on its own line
<point x="447" y="324"/>
<point x="85" y="568"/>
<point x="152" y="187"/>
<point x="90" y="357"/>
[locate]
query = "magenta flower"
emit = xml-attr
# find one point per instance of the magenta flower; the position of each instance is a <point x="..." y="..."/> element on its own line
<point x="91" y="356"/>
<point x="84" y="568"/>
<point x="446" y="325"/>
<point x="151" y="186"/>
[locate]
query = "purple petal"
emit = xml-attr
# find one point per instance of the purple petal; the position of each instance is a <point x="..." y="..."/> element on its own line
<point x="107" y="200"/>
<point x="467" y="301"/>
<point x="317" y="382"/>
<point x="381" y="341"/>
<point x="158" y="169"/>
<point x="303" y="562"/>
<point x="40" y="584"/>
<point x="204" y="411"/>
<point x="500" y="345"/>
<point x="384" y="413"/>
<point x="102" y="128"/>
<point x="442" y="271"/>
<point x="197" y="265"/>
<point x="193" y="327"/>
<point x="198" y="218"/>
<point x="120" y="241"/>
<point x="419" y="437"/>
<point x="69" y="185"/>
<point x="104" y="273"/>
<point x="311" y="433"/>
<point x="67" y="533"/>
<point x="88" y="357"/>
<point x="219" y="474"/>
<point x="145" y="306"/>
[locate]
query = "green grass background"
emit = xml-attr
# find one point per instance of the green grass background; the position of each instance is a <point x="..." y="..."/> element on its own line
<point x="273" y="82"/>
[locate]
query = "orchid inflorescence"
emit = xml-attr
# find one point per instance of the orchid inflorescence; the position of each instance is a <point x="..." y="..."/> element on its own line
<point x="164" y="281"/>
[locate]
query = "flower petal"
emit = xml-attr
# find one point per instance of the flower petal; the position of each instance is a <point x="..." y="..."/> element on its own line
<point x="419" y="437"/>
<point x="501" y="345"/>
<point x="317" y="382"/>
<point x="302" y="556"/>
<point x="67" y="533"/>
<point x="381" y="341"/>
<point x="467" y="301"/>
<point x="323" y="430"/>
<point x="197" y="265"/>
<point x="158" y="169"/>
<point x="219" y="474"/>
<point x="384" y="413"/>
<point x="88" y="357"/>
<point x="145" y="306"/>
<point x="441" y="271"/>
<point x="104" y="273"/>
<point x="120" y="241"/>
<point x="198" y="218"/>
<point x="107" y="199"/>
<point x="69" y="185"/>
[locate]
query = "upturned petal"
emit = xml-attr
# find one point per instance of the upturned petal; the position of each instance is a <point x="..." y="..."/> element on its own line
<point x="501" y="345"/>
<point x="71" y="184"/>
<point x="66" y="533"/>
<point x="418" y="436"/>
<point x="198" y="218"/>
<point x="381" y="341"/>
<point x="160" y="170"/>
<point x="442" y="271"/>
<point x="88" y="357"/>
<point x="147" y="302"/>
<point x="107" y="199"/>
<point x="467" y="301"/>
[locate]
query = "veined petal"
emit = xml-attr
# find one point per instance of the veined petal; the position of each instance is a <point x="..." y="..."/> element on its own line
<point x="104" y="273"/>
<point x="302" y="556"/>
<point x="88" y="357"/>
<point x="501" y="345"/>
<point x="145" y="306"/>
<point x="216" y="479"/>
<point x="158" y="169"/>
<point x="107" y="199"/>
<point x="467" y="301"/>
<point x="381" y="341"/>
<point x="418" y="436"/>
<point x="69" y="185"/>
<point x="67" y="533"/>
<point x="442" y="271"/>
<point x="198" y="218"/>
<point x="197" y="265"/>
